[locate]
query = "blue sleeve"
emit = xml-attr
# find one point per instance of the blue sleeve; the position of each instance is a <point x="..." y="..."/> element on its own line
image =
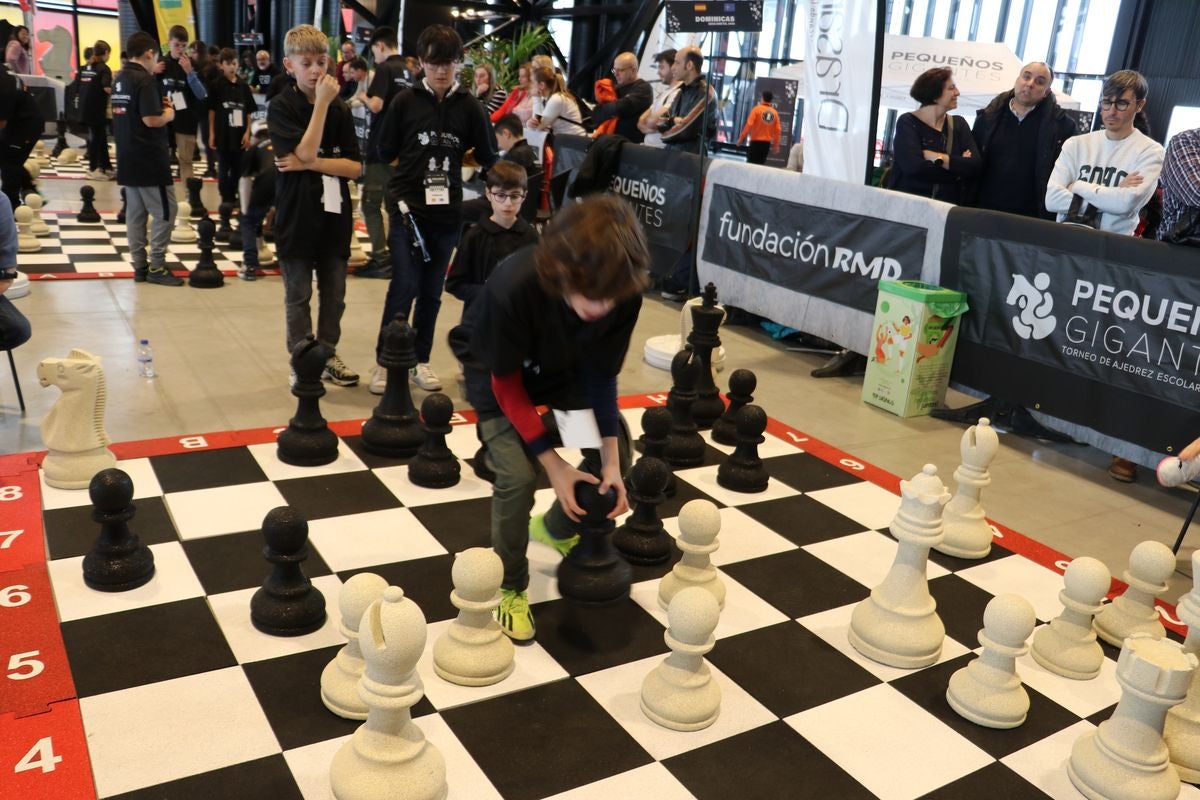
<point x="601" y="392"/>
<point x="8" y="235"/>
<point x="197" y="86"/>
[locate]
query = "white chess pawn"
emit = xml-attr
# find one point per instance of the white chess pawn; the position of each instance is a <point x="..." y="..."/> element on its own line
<point x="1150" y="564"/>
<point x="699" y="524"/>
<point x="26" y="241"/>
<point x="967" y="532"/>
<point x="474" y="651"/>
<point x="339" y="679"/>
<point x="1068" y="646"/>
<point x="183" y="232"/>
<point x="898" y="624"/>
<point x="988" y="691"/>
<point x="357" y="256"/>
<point x="1182" y="732"/>
<point x="1125" y="758"/>
<point x="680" y="693"/>
<point x="35" y="202"/>
<point x="388" y="756"/>
<point x="33" y="167"/>
<point x="68" y="156"/>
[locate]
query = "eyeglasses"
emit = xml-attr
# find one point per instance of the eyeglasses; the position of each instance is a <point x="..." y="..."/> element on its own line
<point x="1122" y="105"/>
<point x="501" y="197"/>
<point x="431" y="67"/>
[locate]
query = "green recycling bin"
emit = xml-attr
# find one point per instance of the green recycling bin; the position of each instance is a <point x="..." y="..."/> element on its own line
<point x="912" y="346"/>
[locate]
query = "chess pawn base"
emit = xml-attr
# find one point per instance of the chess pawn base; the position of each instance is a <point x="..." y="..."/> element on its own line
<point x="684" y="450"/>
<point x="1182" y="735"/>
<point x="295" y="617"/>
<point x="681" y="700"/>
<point x="1061" y="655"/>
<point x="987" y="696"/>
<point x="339" y="687"/>
<point x="1099" y="773"/>
<point x="968" y="534"/>
<point x="473" y="656"/>
<point x="435" y="473"/>
<point x="738" y="478"/>
<point x="591" y="581"/>
<point x="307" y="448"/>
<point x="908" y="638"/>
<point x="644" y="548"/>
<point x="120" y="574"/>
<point x="392" y="435"/>
<point x="376" y="765"/>
<point x="1123" y="618"/>
<point x="67" y="470"/>
<point x="682" y="576"/>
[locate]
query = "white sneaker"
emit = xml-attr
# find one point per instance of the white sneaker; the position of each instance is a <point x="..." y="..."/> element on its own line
<point x="378" y="380"/>
<point x="98" y="175"/>
<point x="425" y="378"/>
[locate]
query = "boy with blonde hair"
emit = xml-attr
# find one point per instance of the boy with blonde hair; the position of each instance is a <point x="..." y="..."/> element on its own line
<point x="316" y="153"/>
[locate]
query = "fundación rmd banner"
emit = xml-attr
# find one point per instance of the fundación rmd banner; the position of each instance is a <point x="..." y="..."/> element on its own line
<point x="835" y="255"/>
<point x="1101" y="330"/>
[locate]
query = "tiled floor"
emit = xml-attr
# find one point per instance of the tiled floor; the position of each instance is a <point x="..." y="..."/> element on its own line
<point x="222" y="365"/>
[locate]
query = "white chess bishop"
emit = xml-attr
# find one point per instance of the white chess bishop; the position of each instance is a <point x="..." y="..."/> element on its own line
<point x="474" y="651"/>
<point x="967" y="532"/>
<point x="988" y="691"/>
<point x="1134" y="611"/>
<point x="680" y="692"/>
<point x="1068" y="646"/>
<point x="1182" y="732"/>
<point x="388" y="757"/>
<point x="339" y="680"/>
<point x="898" y="624"/>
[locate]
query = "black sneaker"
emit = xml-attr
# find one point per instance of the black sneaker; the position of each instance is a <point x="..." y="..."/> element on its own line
<point x="163" y="278"/>
<point x="374" y="269"/>
<point x="139" y="274"/>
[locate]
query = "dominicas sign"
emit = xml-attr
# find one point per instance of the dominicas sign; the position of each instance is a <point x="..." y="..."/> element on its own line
<point x="703" y="17"/>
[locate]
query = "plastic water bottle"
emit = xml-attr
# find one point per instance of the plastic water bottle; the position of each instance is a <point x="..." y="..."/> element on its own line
<point x="145" y="358"/>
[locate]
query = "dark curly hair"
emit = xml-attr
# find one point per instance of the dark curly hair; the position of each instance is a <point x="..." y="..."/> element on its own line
<point x="929" y="85"/>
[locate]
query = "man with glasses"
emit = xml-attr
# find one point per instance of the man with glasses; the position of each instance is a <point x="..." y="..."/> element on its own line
<point x="633" y="97"/>
<point x="425" y="131"/>
<point x="1105" y="177"/>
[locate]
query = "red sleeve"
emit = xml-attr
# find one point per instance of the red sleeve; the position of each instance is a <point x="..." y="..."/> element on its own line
<point x="514" y="97"/>
<point x="515" y="403"/>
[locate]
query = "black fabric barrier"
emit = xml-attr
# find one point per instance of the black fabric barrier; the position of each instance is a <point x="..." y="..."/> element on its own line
<point x="1096" y="329"/>
<point x="835" y="255"/>
<point x="660" y="184"/>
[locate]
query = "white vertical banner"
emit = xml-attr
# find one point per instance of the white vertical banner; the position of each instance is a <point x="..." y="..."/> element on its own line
<point x="841" y="68"/>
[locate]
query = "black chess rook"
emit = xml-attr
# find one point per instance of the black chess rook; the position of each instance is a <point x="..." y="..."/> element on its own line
<point x="287" y="604"/>
<point x="394" y="430"/>
<point x="307" y="441"/>
<point x="206" y="275"/>
<point x="594" y="573"/>
<point x="743" y="470"/>
<point x="118" y="561"/>
<point x="704" y="340"/>
<point x="642" y="539"/>
<point x="435" y="466"/>
<point x="742" y="383"/>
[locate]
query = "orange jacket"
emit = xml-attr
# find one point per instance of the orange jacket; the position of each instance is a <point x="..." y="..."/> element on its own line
<point x="763" y="125"/>
<point x="606" y="92"/>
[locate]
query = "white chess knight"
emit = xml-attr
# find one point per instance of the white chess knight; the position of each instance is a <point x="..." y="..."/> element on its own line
<point x="1134" y="611"/>
<point x="699" y="524"/>
<point x="26" y="241"/>
<point x="388" y="757"/>
<point x="1068" y="646"/>
<point x="1182" y="731"/>
<point x="680" y="692"/>
<point x="898" y="624"/>
<point x="474" y="651"/>
<point x="967" y="532"/>
<point x="988" y="691"/>
<point x="339" y="679"/>
<point x="358" y="256"/>
<point x="73" y="431"/>
<point x="35" y="203"/>
<point x="183" y="232"/>
<point x="1125" y="758"/>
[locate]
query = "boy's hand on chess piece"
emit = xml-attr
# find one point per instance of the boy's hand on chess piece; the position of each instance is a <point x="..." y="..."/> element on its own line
<point x="327" y="89"/>
<point x="611" y="473"/>
<point x="563" y="478"/>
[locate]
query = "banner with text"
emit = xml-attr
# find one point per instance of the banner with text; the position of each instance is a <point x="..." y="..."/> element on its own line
<point x="1096" y="329"/>
<point x="785" y="91"/>
<point x="687" y="16"/>
<point x="841" y="73"/>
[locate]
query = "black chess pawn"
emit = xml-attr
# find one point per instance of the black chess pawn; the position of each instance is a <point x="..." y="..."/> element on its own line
<point x="742" y="383"/>
<point x="307" y="440"/>
<point x="60" y="143"/>
<point x="194" y="185"/>
<point x="593" y="572"/>
<point x="225" y="211"/>
<point x="235" y="236"/>
<point x="88" y="213"/>
<point x="704" y="341"/>
<point x="642" y="539"/>
<point x="121" y="213"/>
<point x="685" y="446"/>
<point x="743" y="470"/>
<point x="435" y="466"/>
<point x="118" y="561"/>
<point x="394" y="430"/>
<point x="656" y="432"/>
<point x="287" y="604"/>
<point x="206" y="275"/>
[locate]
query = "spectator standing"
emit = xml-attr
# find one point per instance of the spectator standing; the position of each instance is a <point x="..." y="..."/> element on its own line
<point x="1180" y="180"/>
<point x="348" y="55"/>
<point x="933" y="151"/>
<point x="695" y="105"/>
<point x="229" y="109"/>
<point x="182" y="84"/>
<point x="764" y="130"/>
<point x="265" y="73"/>
<point x="97" y="88"/>
<point x="668" y="87"/>
<point x="634" y="97"/>
<point x="260" y="171"/>
<point x="17" y="54"/>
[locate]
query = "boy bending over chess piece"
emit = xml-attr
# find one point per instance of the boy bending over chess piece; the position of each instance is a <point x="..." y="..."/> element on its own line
<point x="552" y="327"/>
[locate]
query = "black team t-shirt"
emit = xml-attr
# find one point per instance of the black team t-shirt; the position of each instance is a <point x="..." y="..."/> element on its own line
<point x="95" y="99"/>
<point x="303" y="228"/>
<point x="391" y="78"/>
<point x="174" y="82"/>
<point x="143" y="158"/>
<point x="427" y="136"/>
<point x="232" y="102"/>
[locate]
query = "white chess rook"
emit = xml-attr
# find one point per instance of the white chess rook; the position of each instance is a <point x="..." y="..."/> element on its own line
<point x="898" y="624"/>
<point x="680" y="693"/>
<point x="1150" y="564"/>
<point x="699" y="524"/>
<point x="35" y="203"/>
<point x="1182" y="732"/>
<point x="73" y="430"/>
<point x="474" y="651"/>
<point x="26" y="241"/>
<point x="988" y="691"/>
<point x="339" y="679"/>
<point x="1126" y="758"/>
<point x="1068" y="646"/>
<point x="388" y="757"/>
<point x="183" y="232"/>
<point x="967" y="532"/>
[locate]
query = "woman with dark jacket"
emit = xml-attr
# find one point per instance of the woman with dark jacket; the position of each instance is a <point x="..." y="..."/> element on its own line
<point x="934" y="152"/>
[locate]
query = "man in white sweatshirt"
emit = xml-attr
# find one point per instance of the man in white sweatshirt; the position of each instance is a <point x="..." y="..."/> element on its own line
<point x="1113" y="172"/>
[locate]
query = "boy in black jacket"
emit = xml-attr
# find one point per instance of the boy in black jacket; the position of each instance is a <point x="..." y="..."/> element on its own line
<point x="230" y="105"/>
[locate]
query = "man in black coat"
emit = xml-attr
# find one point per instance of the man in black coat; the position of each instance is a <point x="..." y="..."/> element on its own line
<point x="1019" y="136"/>
<point x="634" y="96"/>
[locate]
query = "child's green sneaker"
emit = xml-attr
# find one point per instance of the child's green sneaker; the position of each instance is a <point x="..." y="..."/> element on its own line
<point x="514" y="615"/>
<point x="538" y="532"/>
